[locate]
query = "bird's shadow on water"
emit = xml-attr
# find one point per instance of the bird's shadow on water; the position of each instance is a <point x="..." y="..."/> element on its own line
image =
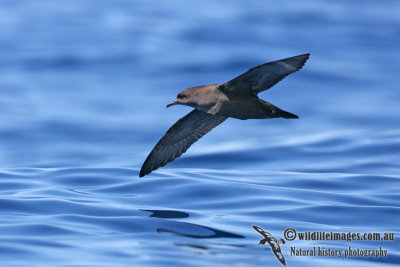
<point x="200" y="232"/>
<point x="189" y="229"/>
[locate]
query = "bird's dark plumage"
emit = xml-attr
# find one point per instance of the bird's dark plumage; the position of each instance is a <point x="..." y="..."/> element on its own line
<point x="179" y="138"/>
<point x="264" y="76"/>
<point x="214" y="103"/>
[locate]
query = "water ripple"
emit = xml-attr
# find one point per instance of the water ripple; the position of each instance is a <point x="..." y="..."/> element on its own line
<point x="115" y="205"/>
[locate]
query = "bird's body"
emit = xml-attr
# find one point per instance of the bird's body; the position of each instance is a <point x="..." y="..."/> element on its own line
<point x="214" y="103"/>
<point x="249" y="107"/>
<point x="212" y="100"/>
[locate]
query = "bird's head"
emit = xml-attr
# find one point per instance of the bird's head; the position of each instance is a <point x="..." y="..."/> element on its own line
<point x="186" y="97"/>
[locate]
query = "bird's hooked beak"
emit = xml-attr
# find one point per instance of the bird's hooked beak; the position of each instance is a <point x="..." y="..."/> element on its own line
<point x="173" y="103"/>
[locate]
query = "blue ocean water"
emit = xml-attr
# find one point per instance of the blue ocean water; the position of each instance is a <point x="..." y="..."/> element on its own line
<point x="83" y="89"/>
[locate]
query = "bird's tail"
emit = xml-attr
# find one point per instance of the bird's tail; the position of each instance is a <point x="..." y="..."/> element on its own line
<point x="279" y="113"/>
<point x="272" y="111"/>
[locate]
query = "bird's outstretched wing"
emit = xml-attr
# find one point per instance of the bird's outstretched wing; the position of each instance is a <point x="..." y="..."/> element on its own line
<point x="262" y="232"/>
<point x="179" y="138"/>
<point x="263" y="77"/>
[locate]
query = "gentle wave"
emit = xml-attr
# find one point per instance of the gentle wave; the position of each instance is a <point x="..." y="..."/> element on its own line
<point x="68" y="204"/>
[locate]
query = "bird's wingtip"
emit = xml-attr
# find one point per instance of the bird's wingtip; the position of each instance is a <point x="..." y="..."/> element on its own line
<point x="297" y="62"/>
<point x="307" y="55"/>
<point x="303" y="58"/>
<point x="142" y="173"/>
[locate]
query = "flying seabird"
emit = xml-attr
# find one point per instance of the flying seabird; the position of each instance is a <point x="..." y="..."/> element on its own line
<point x="214" y="103"/>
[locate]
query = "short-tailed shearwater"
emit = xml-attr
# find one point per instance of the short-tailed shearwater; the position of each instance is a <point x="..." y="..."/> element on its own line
<point x="214" y="103"/>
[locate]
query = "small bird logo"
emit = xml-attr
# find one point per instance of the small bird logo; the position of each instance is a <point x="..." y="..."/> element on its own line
<point x="273" y="242"/>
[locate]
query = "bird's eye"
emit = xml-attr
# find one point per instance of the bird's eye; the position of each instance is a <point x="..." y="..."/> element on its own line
<point x="181" y="96"/>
